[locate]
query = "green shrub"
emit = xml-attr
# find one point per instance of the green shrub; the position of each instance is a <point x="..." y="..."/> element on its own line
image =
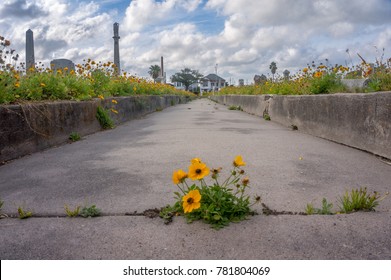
<point x="327" y="83"/>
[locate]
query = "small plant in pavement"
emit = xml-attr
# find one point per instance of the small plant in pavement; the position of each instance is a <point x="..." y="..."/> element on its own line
<point x="23" y="214"/>
<point x="72" y="213"/>
<point x="325" y="210"/>
<point x="233" y="107"/>
<point x="359" y="200"/>
<point x="266" y="117"/>
<point x="91" y="211"/>
<point x="218" y="203"/>
<point x="353" y="201"/>
<point x="74" y="136"/>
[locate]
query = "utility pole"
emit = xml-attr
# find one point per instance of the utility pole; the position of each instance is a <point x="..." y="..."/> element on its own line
<point x="216" y="75"/>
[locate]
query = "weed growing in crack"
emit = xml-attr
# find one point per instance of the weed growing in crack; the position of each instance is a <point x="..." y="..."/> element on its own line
<point x="72" y="213"/>
<point x="266" y="117"/>
<point x="233" y="107"/>
<point x="104" y="119"/>
<point x="325" y="210"/>
<point x="356" y="200"/>
<point x="359" y="200"/>
<point x="91" y="211"/>
<point x="74" y="136"/>
<point x="24" y="214"/>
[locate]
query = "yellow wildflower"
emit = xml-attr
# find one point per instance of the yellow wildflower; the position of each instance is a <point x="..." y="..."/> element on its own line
<point x="191" y="201"/>
<point x="178" y="176"/>
<point x="239" y="161"/>
<point x="195" y="160"/>
<point x="305" y="70"/>
<point x="114" y="101"/>
<point x="43" y="85"/>
<point x="100" y="96"/>
<point x="17" y="85"/>
<point x="197" y="171"/>
<point x="318" y="74"/>
<point x="114" y="111"/>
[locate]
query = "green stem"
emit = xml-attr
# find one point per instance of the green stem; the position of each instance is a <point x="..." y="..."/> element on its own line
<point x="187" y="186"/>
<point x="181" y="189"/>
<point x="226" y="181"/>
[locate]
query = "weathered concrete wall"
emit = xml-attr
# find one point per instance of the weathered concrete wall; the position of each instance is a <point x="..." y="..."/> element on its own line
<point x="362" y="121"/>
<point x="32" y="127"/>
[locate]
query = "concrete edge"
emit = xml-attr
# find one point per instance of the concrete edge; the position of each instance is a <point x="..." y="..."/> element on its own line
<point x="362" y="120"/>
<point x="32" y="127"/>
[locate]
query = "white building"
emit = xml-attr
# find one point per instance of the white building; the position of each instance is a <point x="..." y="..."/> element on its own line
<point x="212" y="82"/>
<point x="209" y="83"/>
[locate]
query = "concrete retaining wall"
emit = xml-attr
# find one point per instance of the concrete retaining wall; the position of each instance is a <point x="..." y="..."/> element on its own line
<point x="362" y="121"/>
<point x="32" y="127"/>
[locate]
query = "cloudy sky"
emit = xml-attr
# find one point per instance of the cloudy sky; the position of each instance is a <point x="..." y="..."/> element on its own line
<point x="241" y="36"/>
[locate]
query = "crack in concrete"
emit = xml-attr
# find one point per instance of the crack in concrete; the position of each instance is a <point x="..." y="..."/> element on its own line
<point x="150" y="213"/>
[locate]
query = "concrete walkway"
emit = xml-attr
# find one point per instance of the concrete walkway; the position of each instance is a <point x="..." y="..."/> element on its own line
<point x="129" y="170"/>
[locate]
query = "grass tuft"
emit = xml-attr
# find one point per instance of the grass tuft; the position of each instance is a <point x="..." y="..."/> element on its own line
<point x="359" y="200"/>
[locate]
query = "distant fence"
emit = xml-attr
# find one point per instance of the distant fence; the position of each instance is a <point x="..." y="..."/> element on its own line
<point x="359" y="120"/>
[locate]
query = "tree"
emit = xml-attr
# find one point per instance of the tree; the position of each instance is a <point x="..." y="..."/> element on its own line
<point x="186" y="77"/>
<point x="273" y="68"/>
<point x="154" y="71"/>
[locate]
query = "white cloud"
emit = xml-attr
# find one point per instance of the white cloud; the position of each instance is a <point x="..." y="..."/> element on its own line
<point x="248" y="36"/>
<point x="143" y="13"/>
<point x="341" y="29"/>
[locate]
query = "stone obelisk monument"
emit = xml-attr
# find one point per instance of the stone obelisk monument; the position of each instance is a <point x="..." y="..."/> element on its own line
<point x="162" y="70"/>
<point x="30" y="59"/>
<point x="116" y="48"/>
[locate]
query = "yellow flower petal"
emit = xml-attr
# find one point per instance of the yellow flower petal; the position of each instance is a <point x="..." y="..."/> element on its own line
<point x="191" y="201"/>
<point x="197" y="171"/>
<point x="196" y="160"/>
<point x="239" y="161"/>
<point x="178" y="176"/>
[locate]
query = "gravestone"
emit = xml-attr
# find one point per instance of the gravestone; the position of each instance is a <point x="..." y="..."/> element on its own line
<point x="260" y="79"/>
<point x="286" y="74"/>
<point x="62" y="64"/>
